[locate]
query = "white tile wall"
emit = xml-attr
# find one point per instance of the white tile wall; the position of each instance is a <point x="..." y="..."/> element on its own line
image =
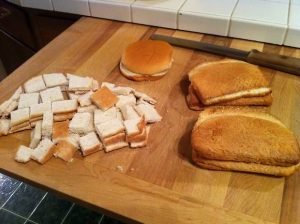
<point x="80" y="7"/>
<point x="162" y="13"/>
<point x="260" y="20"/>
<point x="37" y="4"/>
<point x="293" y="33"/>
<point x="206" y="16"/>
<point x="111" y="9"/>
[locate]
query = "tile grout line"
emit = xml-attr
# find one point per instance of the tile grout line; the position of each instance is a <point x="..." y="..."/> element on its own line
<point x="36" y="208"/>
<point x="63" y="220"/>
<point x="100" y="220"/>
<point x="11" y="195"/>
<point x="11" y="212"/>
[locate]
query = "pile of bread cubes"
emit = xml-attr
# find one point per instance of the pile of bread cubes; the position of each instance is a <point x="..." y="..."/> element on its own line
<point x="70" y="112"/>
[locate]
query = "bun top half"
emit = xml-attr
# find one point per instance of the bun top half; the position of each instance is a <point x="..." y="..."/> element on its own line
<point x="147" y="57"/>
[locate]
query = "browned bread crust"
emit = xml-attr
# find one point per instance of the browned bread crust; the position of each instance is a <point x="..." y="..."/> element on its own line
<point x="119" y="137"/>
<point x="225" y="80"/>
<point x="104" y="98"/>
<point x="244" y="135"/>
<point x="60" y="130"/>
<point x="63" y="116"/>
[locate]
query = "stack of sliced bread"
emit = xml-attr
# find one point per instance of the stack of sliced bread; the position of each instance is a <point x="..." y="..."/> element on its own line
<point x="73" y="113"/>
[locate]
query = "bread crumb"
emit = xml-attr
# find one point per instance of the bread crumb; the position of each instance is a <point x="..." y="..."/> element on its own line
<point x="120" y="168"/>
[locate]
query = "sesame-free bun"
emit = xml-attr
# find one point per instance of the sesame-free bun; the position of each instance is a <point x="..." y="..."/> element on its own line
<point x="146" y="60"/>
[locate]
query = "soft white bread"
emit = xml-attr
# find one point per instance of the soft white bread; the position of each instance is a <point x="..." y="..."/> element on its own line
<point x="149" y="112"/>
<point x="21" y="127"/>
<point x="73" y="96"/>
<point x="4" y="126"/>
<point x="89" y="144"/>
<point x="60" y="130"/>
<point x="36" y="135"/>
<point x="108" y="85"/>
<point x="132" y="126"/>
<point x="109" y="128"/>
<point x="64" y="116"/>
<point x="126" y="100"/>
<point x="89" y="109"/>
<point x="28" y="99"/>
<point x="121" y="90"/>
<point x="55" y="79"/>
<point x="37" y="110"/>
<point x="101" y="116"/>
<point x="104" y="99"/>
<point x="51" y="95"/>
<point x="226" y="80"/>
<point x="47" y="124"/>
<point x="44" y="151"/>
<point x="115" y="146"/>
<point x="35" y="84"/>
<point x="4" y="106"/>
<point x="82" y="123"/>
<point x="11" y="107"/>
<point x="230" y="135"/>
<point x="65" y="150"/>
<point x="23" y="154"/>
<point x="129" y="112"/>
<point x="19" y="116"/>
<point x="85" y="99"/>
<point x="120" y="137"/>
<point x="17" y="93"/>
<point x="77" y="83"/>
<point x="64" y="106"/>
<point x="145" y="97"/>
<point x="142" y="141"/>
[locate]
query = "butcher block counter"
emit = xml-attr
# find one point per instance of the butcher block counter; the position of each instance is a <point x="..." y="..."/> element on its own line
<point x="156" y="184"/>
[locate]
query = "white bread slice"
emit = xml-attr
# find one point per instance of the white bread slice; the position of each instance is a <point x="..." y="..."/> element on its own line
<point x="129" y="112"/>
<point x="44" y="151"/>
<point x="120" y="90"/>
<point x="74" y="139"/>
<point x="108" y="85"/>
<point x="85" y="99"/>
<point x="65" y="150"/>
<point x="35" y="84"/>
<point x="4" y="106"/>
<point x="36" y="135"/>
<point x="55" y="79"/>
<point x="47" y="124"/>
<point x="64" y="106"/>
<point x="95" y="85"/>
<point x="82" y="123"/>
<point x="115" y="146"/>
<point x="37" y="110"/>
<point x="4" y="126"/>
<point x="142" y="143"/>
<point x="73" y="96"/>
<point x="17" y="93"/>
<point x="51" y="95"/>
<point x="150" y="113"/>
<point x="89" y="109"/>
<point x="109" y="128"/>
<point x="120" y="137"/>
<point x="60" y="130"/>
<point x="28" y="99"/>
<point x="11" y="107"/>
<point x="145" y="97"/>
<point x="19" y="116"/>
<point x="101" y="116"/>
<point x="126" y="100"/>
<point x="90" y="144"/>
<point x="132" y="126"/>
<point x="64" y="116"/>
<point x="23" y="154"/>
<point x="77" y="83"/>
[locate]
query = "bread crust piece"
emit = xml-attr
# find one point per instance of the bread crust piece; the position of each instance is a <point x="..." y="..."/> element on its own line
<point x="119" y="137"/>
<point x="64" y="150"/>
<point x="244" y="135"/>
<point x="194" y="102"/>
<point x="104" y="98"/>
<point x="63" y="116"/>
<point x="60" y="130"/>
<point x="147" y="56"/>
<point x="245" y="167"/>
<point x="227" y="80"/>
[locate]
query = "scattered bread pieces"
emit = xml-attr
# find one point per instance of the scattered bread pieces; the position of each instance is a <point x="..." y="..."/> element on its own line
<point x="82" y="123"/>
<point x="150" y="113"/>
<point x="47" y="124"/>
<point x="64" y="150"/>
<point x="23" y="154"/>
<point x="4" y="126"/>
<point x="55" y="79"/>
<point x="52" y="94"/>
<point x="104" y="98"/>
<point x="60" y="130"/>
<point x="35" y="84"/>
<point x="36" y="135"/>
<point x="44" y="151"/>
<point x="90" y="144"/>
<point x="109" y="128"/>
<point x="28" y="99"/>
<point x="78" y="83"/>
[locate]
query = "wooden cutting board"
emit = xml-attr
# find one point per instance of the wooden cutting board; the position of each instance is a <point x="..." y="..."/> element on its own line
<point x="158" y="184"/>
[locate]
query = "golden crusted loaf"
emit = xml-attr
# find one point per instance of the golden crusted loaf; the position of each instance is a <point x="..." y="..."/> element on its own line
<point x="245" y="139"/>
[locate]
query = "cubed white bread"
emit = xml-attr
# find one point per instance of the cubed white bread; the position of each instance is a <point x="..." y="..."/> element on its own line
<point x="145" y="97"/>
<point x="23" y="154"/>
<point x="65" y="150"/>
<point x="20" y="127"/>
<point x="120" y="90"/>
<point x="4" y="126"/>
<point x="55" y="79"/>
<point x="90" y="144"/>
<point x="4" y="106"/>
<point x="44" y="151"/>
<point x="47" y="124"/>
<point x="108" y="85"/>
<point x="74" y="139"/>
<point x="129" y="112"/>
<point x="81" y="123"/>
<point x="19" y="116"/>
<point x="17" y="93"/>
<point x="11" y="107"/>
<point x="28" y="99"/>
<point x="95" y="85"/>
<point x="85" y="99"/>
<point x="79" y="83"/>
<point x="64" y="106"/>
<point x="35" y="84"/>
<point x="120" y="137"/>
<point x="37" y="110"/>
<point x="132" y="126"/>
<point x="142" y="143"/>
<point x="126" y="100"/>
<point x="115" y="146"/>
<point x="63" y="116"/>
<point x="109" y="128"/>
<point x="52" y="94"/>
<point x="150" y="113"/>
<point x="101" y="116"/>
<point x="73" y="96"/>
<point x="89" y="109"/>
<point x="36" y="135"/>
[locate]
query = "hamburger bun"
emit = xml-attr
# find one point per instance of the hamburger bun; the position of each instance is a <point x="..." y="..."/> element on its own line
<point x="146" y="60"/>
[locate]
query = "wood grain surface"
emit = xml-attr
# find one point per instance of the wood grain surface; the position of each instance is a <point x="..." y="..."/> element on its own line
<point x="159" y="183"/>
